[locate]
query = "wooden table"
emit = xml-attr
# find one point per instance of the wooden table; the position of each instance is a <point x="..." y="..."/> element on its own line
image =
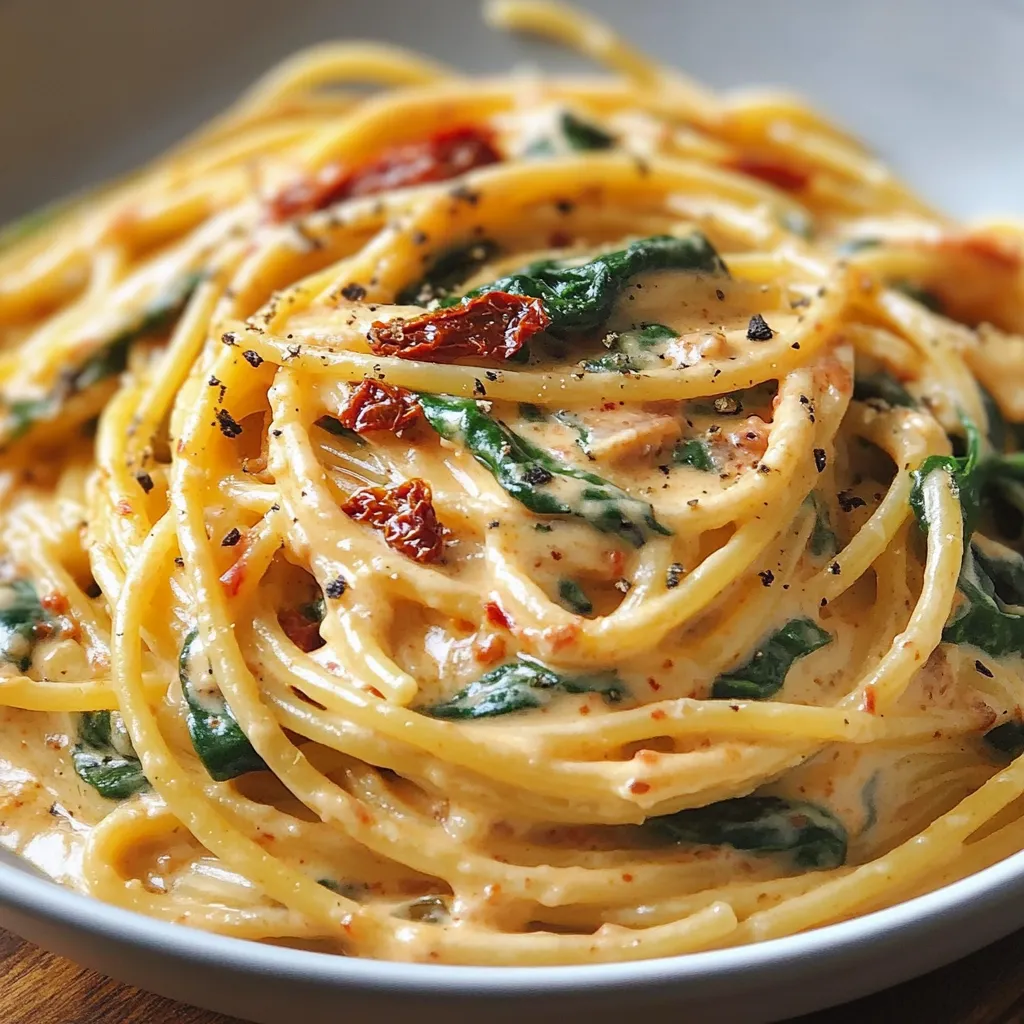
<point x="38" y="988"/>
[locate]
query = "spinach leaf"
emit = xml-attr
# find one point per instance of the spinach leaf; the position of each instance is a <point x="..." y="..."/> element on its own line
<point x="104" y="757"/>
<point x="110" y="359"/>
<point x="1007" y="739"/>
<point x="822" y="542"/>
<point x="216" y="735"/>
<point x="531" y="413"/>
<point x="519" y="685"/>
<point x="581" y="298"/>
<point x="696" y="453"/>
<point x="350" y="890"/>
<point x="812" y="836"/>
<point x="574" y="597"/>
<point x="448" y="272"/>
<point x="855" y="245"/>
<point x="425" y="910"/>
<point x="982" y="618"/>
<point x="926" y="298"/>
<point x="577" y="134"/>
<point x="964" y="473"/>
<point x="534" y="477"/>
<point x="333" y="426"/>
<point x="630" y="351"/>
<point x="22" y="621"/>
<point x="884" y="387"/>
<point x="763" y="675"/>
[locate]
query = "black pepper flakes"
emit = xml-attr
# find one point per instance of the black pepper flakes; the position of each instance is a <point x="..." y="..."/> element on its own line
<point x="231" y="538"/>
<point x="354" y="292"/>
<point x="835" y="569"/>
<point x="229" y="338"/>
<point x="674" y="574"/>
<point x="983" y="669"/>
<point x="767" y="577"/>
<point x="229" y="427"/>
<point x="720" y="295"/>
<point x="758" y="330"/>
<point x="145" y="481"/>
<point x="848" y="501"/>
<point x="179" y="562"/>
<point x="537" y="475"/>
<point x="252" y="358"/>
<point x="820" y="459"/>
<point x="478" y="388"/>
<point x="335" y="588"/>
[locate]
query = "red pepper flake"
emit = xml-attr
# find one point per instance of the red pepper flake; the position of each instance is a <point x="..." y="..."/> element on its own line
<point x="489" y="649"/>
<point x="233" y="577"/>
<point x="497" y="616"/>
<point x="302" y="631"/>
<point x="639" y="788"/>
<point x="869" y="699"/>
<point x="445" y="155"/>
<point x="404" y="514"/>
<point x="495" y="325"/>
<point x="55" y="602"/>
<point x="375" y="405"/>
<point x="124" y="508"/>
<point x="658" y="714"/>
<point x="774" y="172"/>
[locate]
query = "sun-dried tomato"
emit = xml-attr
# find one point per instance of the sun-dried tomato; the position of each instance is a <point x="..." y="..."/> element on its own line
<point x="774" y="172"/>
<point x="375" y="405"/>
<point x="494" y="325"/>
<point x="303" y="631"/>
<point x="404" y="514"/>
<point x="445" y="155"/>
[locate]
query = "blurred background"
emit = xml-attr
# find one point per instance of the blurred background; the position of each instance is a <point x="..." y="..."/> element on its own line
<point x="89" y="88"/>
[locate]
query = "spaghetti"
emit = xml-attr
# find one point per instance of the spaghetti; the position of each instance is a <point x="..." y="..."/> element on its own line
<point x="516" y="521"/>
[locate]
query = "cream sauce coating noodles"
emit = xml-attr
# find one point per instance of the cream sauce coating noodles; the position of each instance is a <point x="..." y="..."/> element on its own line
<point x="512" y="521"/>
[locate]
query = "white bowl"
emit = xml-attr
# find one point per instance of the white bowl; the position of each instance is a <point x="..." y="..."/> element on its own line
<point x="746" y="985"/>
<point x="937" y="87"/>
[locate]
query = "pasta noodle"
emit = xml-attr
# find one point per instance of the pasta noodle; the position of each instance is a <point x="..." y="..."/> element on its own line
<point x="521" y="521"/>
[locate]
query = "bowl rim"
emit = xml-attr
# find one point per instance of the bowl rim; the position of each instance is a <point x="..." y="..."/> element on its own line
<point x="40" y="896"/>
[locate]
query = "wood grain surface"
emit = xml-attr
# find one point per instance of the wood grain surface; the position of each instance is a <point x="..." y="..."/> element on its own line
<point x="39" y="988"/>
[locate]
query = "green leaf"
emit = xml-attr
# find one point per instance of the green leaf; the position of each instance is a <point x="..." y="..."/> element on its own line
<point x="963" y="472"/>
<point x="574" y="597"/>
<point x="810" y="835"/>
<point x="1007" y="739"/>
<point x="333" y="426"/>
<point x="631" y="351"/>
<point x="926" y="298"/>
<point x="449" y="271"/>
<point x="581" y="298"/>
<point x="534" y="477"/>
<point x="822" y="542"/>
<point x="578" y="135"/>
<point x="104" y="757"/>
<point x="20" y="615"/>
<point x="695" y="453"/>
<point x="855" y="245"/>
<point x="982" y="618"/>
<point x="884" y="387"/>
<point x="520" y="685"/>
<point x="764" y="674"/>
<point x="216" y="735"/>
<point x="108" y="360"/>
